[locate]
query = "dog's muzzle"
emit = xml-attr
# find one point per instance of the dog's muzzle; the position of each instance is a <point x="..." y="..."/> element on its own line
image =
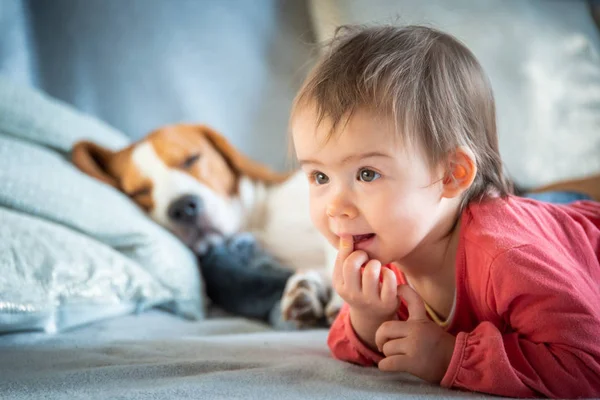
<point x="191" y="223"/>
<point x="186" y="209"/>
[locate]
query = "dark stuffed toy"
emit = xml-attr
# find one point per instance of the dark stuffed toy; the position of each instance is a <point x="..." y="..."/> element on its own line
<point x="243" y="279"/>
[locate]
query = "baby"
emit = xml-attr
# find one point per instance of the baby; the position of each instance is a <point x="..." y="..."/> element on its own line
<point x="444" y="273"/>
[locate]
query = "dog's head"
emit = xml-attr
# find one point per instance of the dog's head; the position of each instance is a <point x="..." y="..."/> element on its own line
<point x="186" y="177"/>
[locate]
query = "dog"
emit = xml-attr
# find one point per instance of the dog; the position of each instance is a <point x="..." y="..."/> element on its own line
<point x="191" y="180"/>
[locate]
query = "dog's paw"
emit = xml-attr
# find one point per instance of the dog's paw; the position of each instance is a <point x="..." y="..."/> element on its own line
<point x="304" y="299"/>
<point x="206" y="243"/>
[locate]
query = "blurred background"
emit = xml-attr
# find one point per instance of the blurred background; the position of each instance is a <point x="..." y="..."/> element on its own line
<point x="236" y="65"/>
<point x="140" y="64"/>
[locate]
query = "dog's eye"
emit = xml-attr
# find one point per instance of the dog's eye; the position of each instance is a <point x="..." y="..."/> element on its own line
<point x="190" y="161"/>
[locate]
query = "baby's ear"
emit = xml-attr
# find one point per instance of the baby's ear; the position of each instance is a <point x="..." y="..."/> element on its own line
<point x="461" y="170"/>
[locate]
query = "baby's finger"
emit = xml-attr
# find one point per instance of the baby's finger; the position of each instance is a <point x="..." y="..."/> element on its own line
<point x="397" y="363"/>
<point x="388" y="286"/>
<point x="396" y="347"/>
<point x="390" y="330"/>
<point x="370" y="278"/>
<point x="352" y="265"/>
<point x="345" y="248"/>
<point x="414" y="303"/>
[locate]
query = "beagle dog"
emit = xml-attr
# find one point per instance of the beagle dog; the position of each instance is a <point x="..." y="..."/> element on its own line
<point x="192" y="181"/>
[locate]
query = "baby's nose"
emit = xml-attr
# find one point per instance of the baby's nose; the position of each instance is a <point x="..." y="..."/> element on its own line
<point x="340" y="208"/>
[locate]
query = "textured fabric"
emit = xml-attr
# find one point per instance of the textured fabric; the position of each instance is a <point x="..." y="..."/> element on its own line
<point x="53" y="278"/>
<point x="157" y="356"/>
<point x="528" y="302"/>
<point x="31" y="115"/>
<point x="542" y="58"/>
<point x="38" y="179"/>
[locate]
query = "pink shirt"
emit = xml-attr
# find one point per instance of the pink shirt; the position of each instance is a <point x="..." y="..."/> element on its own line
<point x="527" y="316"/>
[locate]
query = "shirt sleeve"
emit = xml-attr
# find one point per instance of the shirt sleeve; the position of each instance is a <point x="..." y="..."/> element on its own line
<point x="345" y="345"/>
<point x="545" y="339"/>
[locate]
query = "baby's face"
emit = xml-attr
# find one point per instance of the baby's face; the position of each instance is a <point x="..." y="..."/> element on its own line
<point x="367" y="183"/>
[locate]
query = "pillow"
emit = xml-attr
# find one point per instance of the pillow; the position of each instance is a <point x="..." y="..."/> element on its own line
<point x="542" y="60"/>
<point x="36" y="134"/>
<point x="54" y="278"/>
<point x="31" y="115"/>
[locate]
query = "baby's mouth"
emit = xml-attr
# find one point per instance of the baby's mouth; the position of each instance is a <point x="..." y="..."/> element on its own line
<point x="362" y="238"/>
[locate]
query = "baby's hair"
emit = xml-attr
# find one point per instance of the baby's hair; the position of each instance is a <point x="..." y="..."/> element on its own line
<point x="429" y="83"/>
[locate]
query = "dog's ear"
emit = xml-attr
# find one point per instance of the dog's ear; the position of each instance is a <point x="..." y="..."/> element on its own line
<point x="93" y="159"/>
<point x="241" y="163"/>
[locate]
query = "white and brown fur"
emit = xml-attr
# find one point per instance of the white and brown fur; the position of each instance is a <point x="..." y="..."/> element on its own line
<point x="236" y="194"/>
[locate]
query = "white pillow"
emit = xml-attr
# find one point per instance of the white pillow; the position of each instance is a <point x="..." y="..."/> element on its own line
<point x="54" y="278"/>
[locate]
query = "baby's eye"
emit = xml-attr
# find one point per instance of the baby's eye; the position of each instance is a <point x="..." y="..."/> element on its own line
<point x="368" y="175"/>
<point x="320" y="178"/>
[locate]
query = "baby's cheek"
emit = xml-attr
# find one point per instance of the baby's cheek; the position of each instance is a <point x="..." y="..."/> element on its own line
<point x="319" y="220"/>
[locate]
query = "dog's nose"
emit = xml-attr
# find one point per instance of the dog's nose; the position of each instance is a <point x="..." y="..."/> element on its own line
<point x="185" y="209"/>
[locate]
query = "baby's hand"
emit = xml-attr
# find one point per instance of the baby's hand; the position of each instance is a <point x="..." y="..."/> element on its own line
<point x="418" y="345"/>
<point x="363" y="292"/>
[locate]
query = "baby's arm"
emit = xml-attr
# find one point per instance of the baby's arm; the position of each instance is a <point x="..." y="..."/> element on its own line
<point x="348" y="340"/>
<point x="548" y="341"/>
<point x="365" y="325"/>
<point x="345" y="344"/>
<point x="353" y="340"/>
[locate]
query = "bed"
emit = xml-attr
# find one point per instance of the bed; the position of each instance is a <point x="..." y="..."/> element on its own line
<point x="156" y="355"/>
<point x="96" y="301"/>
